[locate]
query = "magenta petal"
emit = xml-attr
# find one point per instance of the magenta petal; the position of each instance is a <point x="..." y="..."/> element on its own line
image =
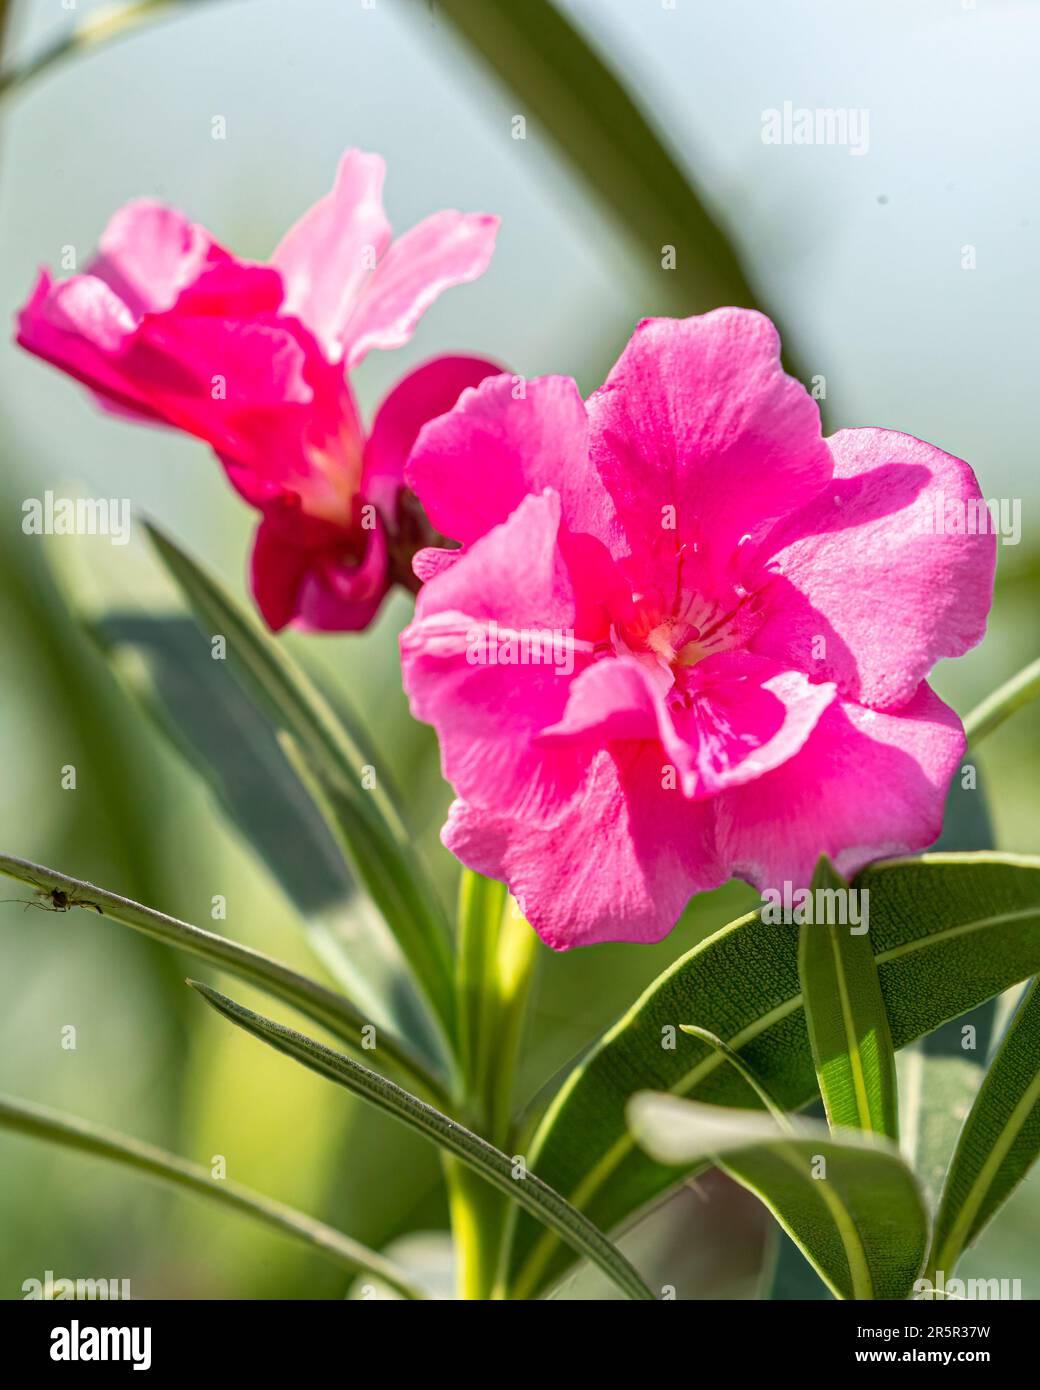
<point x="619" y="864"/>
<point x="303" y="573"/>
<point x="422" y="395"/>
<point x="698" y="415"/>
<point x="614" y="698"/>
<point x="745" y="717"/>
<point x="149" y="253"/>
<point x="328" y="255"/>
<point x="866" y="785"/>
<point x="486" y="702"/>
<point x="473" y="467"/>
<point x="869" y="591"/>
<point x="428" y="563"/>
<point x="81" y="325"/>
<point x="445" y="249"/>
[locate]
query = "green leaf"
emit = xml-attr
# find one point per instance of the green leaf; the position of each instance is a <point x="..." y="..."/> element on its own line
<point x="940" y="1074"/>
<point x="948" y="932"/>
<point x="369" y="827"/>
<point x="845" y="1013"/>
<point x="321" y="1005"/>
<point x="166" y="665"/>
<point x="737" y="1062"/>
<point x="454" y="1139"/>
<point x="1000" y="1140"/>
<point x="70" y="1132"/>
<point x="495" y="958"/>
<point x="850" y="1205"/>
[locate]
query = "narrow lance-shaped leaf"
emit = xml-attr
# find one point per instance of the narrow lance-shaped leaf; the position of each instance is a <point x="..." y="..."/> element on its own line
<point x="938" y="1076"/>
<point x="845" y="1013"/>
<point x="948" y="932"/>
<point x="320" y="1004"/>
<point x="524" y="1188"/>
<point x="382" y="856"/>
<point x="166" y="665"/>
<point x="851" y="1205"/>
<point x="71" y="1132"/>
<point x="1000" y="1140"/>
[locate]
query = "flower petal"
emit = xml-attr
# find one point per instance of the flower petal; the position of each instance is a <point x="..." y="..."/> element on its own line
<point x="745" y="716"/>
<point x="700" y="438"/>
<point x="870" y="592"/>
<point x="472" y="467"/>
<point x="425" y="393"/>
<point x="476" y="667"/>
<point x="149" y="253"/>
<point x="327" y="256"/>
<point x="81" y="325"/>
<point x="620" y="864"/>
<point x="866" y="785"/>
<point x="301" y="575"/>
<point x="448" y="248"/>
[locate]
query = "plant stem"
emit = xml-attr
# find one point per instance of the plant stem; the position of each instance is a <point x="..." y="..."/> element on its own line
<point x="496" y="956"/>
<point x="995" y="708"/>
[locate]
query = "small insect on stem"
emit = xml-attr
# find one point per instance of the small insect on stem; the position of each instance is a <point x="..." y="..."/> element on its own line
<point x="54" y="900"/>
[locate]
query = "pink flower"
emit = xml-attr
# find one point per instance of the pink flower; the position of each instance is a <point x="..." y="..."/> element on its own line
<point x="686" y="636"/>
<point x="167" y="327"/>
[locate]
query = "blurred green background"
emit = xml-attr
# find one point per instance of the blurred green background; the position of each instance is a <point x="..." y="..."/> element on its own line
<point x="859" y="258"/>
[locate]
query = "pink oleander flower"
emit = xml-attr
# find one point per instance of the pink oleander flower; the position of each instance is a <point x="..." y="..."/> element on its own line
<point x="169" y="328"/>
<point x="686" y="637"/>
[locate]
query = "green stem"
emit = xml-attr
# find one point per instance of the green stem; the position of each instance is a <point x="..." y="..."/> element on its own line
<point x="496" y="955"/>
<point x="995" y="708"/>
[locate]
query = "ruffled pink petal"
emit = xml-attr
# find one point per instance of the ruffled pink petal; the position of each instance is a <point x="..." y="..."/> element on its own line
<point x="328" y="255"/>
<point x="149" y="253"/>
<point x="869" y="591"/>
<point x="81" y="326"/>
<point x="422" y="395"/>
<point x="466" y="673"/>
<point x="744" y="717"/>
<point x="310" y="575"/>
<point x="258" y="390"/>
<point x="738" y="717"/>
<point x="620" y="863"/>
<point x="866" y="785"/>
<point x="473" y="467"/>
<point x="614" y="698"/>
<point x="446" y="249"/>
<point x="701" y="438"/>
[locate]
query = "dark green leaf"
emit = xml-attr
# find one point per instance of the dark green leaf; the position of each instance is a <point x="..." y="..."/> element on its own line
<point x="321" y="1005"/>
<point x="948" y="931"/>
